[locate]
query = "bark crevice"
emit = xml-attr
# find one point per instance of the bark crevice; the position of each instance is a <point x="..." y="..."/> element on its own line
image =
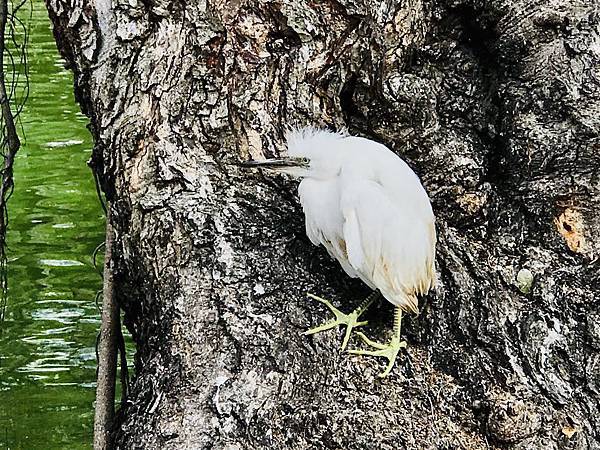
<point x="495" y="105"/>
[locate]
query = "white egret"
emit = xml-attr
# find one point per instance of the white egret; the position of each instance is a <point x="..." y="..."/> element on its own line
<point x="369" y="210"/>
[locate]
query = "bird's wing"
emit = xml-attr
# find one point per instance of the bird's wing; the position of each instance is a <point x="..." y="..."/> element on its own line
<point x="353" y="238"/>
<point x="320" y="201"/>
<point x="335" y="245"/>
<point x="390" y="246"/>
<point x="363" y="209"/>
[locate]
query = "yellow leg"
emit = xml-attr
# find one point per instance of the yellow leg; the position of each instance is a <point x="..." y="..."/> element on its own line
<point x="350" y="320"/>
<point x="389" y="351"/>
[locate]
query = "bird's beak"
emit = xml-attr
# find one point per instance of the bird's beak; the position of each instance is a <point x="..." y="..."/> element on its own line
<point x="286" y="162"/>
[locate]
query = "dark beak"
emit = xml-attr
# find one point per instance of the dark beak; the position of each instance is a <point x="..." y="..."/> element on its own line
<point x="275" y="163"/>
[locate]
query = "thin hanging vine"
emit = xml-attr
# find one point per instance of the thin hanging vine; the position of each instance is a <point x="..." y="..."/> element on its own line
<point x="14" y="90"/>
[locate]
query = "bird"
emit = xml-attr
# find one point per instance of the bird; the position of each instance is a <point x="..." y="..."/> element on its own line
<point x="369" y="209"/>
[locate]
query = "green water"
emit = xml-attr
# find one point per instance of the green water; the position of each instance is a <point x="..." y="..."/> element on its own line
<point x="47" y="356"/>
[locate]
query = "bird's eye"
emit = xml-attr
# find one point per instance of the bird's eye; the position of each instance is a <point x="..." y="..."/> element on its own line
<point x="306" y="161"/>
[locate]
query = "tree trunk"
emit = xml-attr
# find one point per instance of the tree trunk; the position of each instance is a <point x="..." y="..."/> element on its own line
<point x="496" y="105"/>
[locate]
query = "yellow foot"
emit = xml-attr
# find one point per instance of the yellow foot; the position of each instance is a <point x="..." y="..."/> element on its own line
<point x="389" y="351"/>
<point x="350" y="320"/>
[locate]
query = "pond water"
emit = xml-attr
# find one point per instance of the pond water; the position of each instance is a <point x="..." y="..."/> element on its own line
<point x="47" y="355"/>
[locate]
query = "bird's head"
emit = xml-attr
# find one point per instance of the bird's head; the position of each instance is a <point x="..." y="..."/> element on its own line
<point x="311" y="153"/>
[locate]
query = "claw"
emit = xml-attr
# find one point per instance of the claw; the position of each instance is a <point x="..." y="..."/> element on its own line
<point x="349" y="320"/>
<point x="368" y="341"/>
<point x="389" y="351"/>
<point x="323" y="327"/>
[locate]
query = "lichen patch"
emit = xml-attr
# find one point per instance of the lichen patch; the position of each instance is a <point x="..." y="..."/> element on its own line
<point x="570" y="225"/>
<point x="472" y="202"/>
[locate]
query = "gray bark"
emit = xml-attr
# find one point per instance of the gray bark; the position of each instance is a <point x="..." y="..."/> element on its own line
<point x="495" y="104"/>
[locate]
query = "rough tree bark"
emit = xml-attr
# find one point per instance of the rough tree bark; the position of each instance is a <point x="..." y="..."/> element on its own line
<point x="495" y="104"/>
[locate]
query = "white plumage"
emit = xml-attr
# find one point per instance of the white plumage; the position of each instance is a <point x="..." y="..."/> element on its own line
<point x="370" y="211"/>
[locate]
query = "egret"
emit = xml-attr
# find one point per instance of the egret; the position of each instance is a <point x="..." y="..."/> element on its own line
<point x="370" y="211"/>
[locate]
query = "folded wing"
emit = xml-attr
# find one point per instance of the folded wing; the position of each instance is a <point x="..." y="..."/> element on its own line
<point x="390" y="244"/>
